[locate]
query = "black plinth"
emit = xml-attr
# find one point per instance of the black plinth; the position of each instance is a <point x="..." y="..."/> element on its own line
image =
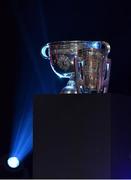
<point x="82" y="136"/>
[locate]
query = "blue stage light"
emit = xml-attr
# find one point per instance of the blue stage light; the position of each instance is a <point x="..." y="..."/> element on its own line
<point x="32" y="78"/>
<point x="22" y="140"/>
<point x="13" y="162"/>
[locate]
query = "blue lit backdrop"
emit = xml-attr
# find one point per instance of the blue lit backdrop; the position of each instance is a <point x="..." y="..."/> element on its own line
<point x="35" y="74"/>
<point x="62" y="22"/>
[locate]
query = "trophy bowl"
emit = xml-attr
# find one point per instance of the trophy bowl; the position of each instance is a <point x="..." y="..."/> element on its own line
<point x="84" y="63"/>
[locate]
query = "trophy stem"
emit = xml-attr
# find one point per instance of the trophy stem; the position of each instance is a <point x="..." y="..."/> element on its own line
<point x="71" y="87"/>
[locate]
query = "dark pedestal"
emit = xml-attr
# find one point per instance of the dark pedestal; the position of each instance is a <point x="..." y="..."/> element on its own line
<point x="82" y="136"/>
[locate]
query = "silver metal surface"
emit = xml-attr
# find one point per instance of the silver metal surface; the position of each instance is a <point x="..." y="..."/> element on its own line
<point x="84" y="62"/>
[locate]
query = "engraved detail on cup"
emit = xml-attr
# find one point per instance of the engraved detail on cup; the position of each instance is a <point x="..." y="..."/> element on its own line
<point x="85" y="62"/>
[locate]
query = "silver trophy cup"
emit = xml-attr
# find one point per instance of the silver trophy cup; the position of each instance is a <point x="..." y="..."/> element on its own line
<point x="84" y="63"/>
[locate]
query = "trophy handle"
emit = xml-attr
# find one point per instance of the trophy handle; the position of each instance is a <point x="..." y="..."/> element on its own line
<point x="107" y="72"/>
<point x="45" y="51"/>
<point x="107" y="47"/>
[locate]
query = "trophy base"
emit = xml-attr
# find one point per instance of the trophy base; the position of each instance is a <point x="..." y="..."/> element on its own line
<point x="70" y="88"/>
<point x="77" y="87"/>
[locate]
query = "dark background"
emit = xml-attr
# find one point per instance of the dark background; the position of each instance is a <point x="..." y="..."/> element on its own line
<point x="27" y="25"/>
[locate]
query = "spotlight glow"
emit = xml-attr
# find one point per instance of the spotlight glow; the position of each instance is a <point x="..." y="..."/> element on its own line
<point x="22" y="140"/>
<point x="13" y="162"/>
<point x="95" y="44"/>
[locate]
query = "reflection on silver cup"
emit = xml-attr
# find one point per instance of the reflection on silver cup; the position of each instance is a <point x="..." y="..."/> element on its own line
<point x="85" y="63"/>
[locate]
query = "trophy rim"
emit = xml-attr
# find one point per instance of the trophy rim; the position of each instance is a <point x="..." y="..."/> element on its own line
<point x="71" y="41"/>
